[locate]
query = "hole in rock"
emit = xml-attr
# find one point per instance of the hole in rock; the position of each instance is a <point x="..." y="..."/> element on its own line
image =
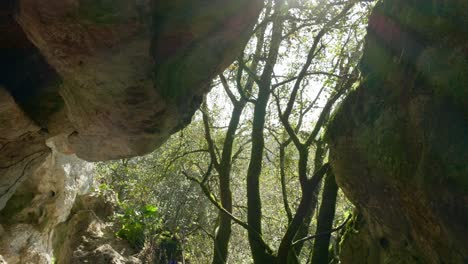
<point x="384" y="243"/>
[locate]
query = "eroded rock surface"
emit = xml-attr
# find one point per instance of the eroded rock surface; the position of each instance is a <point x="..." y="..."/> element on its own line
<point x="42" y="201"/>
<point x="117" y="77"/>
<point x="97" y="80"/>
<point x="22" y="146"/>
<point x="399" y="144"/>
<point x="89" y="237"/>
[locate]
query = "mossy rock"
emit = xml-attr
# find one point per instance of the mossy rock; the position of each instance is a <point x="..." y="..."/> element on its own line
<point x="15" y="205"/>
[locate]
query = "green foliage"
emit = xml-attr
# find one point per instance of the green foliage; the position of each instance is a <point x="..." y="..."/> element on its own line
<point x="138" y="223"/>
<point x="16" y="204"/>
<point x="181" y="220"/>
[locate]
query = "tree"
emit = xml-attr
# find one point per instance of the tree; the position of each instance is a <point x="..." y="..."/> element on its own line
<point x="260" y="253"/>
<point x="255" y="150"/>
<point x="325" y="221"/>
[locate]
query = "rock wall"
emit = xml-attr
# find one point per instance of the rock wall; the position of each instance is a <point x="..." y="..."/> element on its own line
<point x="88" y="236"/>
<point x="41" y="201"/>
<point x="117" y="77"/>
<point x="96" y="80"/>
<point x="22" y="146"/>
<point x="399" y="143"/>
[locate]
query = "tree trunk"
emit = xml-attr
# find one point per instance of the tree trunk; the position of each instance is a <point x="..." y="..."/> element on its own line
<point x="308" y="200"/>
<point x="304" y="230"/>
<point x="282" y="157"/>
<point x="223" y="232"/>
<point x="325" y="220"/>
<point x="260" y="254"/>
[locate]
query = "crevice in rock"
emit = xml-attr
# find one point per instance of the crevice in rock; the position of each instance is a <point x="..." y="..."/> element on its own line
<point x="25" y="168"/>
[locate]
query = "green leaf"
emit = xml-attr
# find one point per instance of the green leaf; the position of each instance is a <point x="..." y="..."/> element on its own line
<point x="150" y="210"/>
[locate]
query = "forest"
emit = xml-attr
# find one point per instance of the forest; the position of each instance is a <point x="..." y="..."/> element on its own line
<point x="249" y="179"/>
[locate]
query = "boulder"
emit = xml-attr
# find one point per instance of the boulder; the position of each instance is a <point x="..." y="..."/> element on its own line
<point x="41" y="202"/>
<point x="399" y="142"/>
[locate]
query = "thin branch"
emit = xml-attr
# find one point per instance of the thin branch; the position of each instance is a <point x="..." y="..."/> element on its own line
<point x="240" y="149"/>
<point x="183" y="155"/>
<point x="218" y="205"/>
<point x="209" y="139"/>
<point x="207" y="173"/>
<point x="228" y="90"/>
<point x="323" y="233"/>
<point x="311" y="55"/>
<point x="239" y="87"/>
<point x="199" y="227"/>
<point x="307" y="74"/>
<point x="287" y="126"/>
<point x="326" y="110"/>
<point x="284" y="192"/>
<point x="250" y="72"/>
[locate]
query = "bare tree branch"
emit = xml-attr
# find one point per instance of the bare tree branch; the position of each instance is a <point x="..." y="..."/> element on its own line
<point x="322" y="234"/>
<point x="228" y="91"/>
<point x="209" y="139"/>
<point x="307" y="74"/>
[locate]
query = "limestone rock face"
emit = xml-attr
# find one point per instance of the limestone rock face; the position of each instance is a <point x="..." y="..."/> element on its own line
<point x="96" y="80"/>
<point x="88" y="237"/>
<point x="117" y="77"/>
<point x="399" y="143"/>
<point x="22" y="146"/>
<point x="42" y="201"/>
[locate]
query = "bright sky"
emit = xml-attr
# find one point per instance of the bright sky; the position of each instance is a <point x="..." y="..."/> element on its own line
<point x="294" y="55"/>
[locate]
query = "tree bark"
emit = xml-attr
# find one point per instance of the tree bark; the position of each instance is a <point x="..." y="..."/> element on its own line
<point x="304" y="230"/>
<point x="260" y="254"/>
<point x="325" y="220"/>
<point x="223" y="232"/>
<point x="308" y="200"/>
<point x="282" y="157"/>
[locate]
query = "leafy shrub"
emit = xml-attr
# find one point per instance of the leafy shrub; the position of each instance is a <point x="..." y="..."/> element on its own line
<point x="138" y="223"/>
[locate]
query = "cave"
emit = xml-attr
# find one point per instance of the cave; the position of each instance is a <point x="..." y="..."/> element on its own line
<point x="83" y="82"/>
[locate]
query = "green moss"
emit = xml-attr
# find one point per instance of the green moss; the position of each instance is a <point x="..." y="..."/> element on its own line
<point x="379" y="65"/>
<point x="353" y="244"/>
<point x="350" y="228"/>
<point x="100" y="11"/>
<point x="446" y="71"/>
<point x="383" y="142"/>
<point x="58" y="239"/>
<point x="429" y="19"/>
<point x="16" y="204"/>
<point x="443" y="65"/>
